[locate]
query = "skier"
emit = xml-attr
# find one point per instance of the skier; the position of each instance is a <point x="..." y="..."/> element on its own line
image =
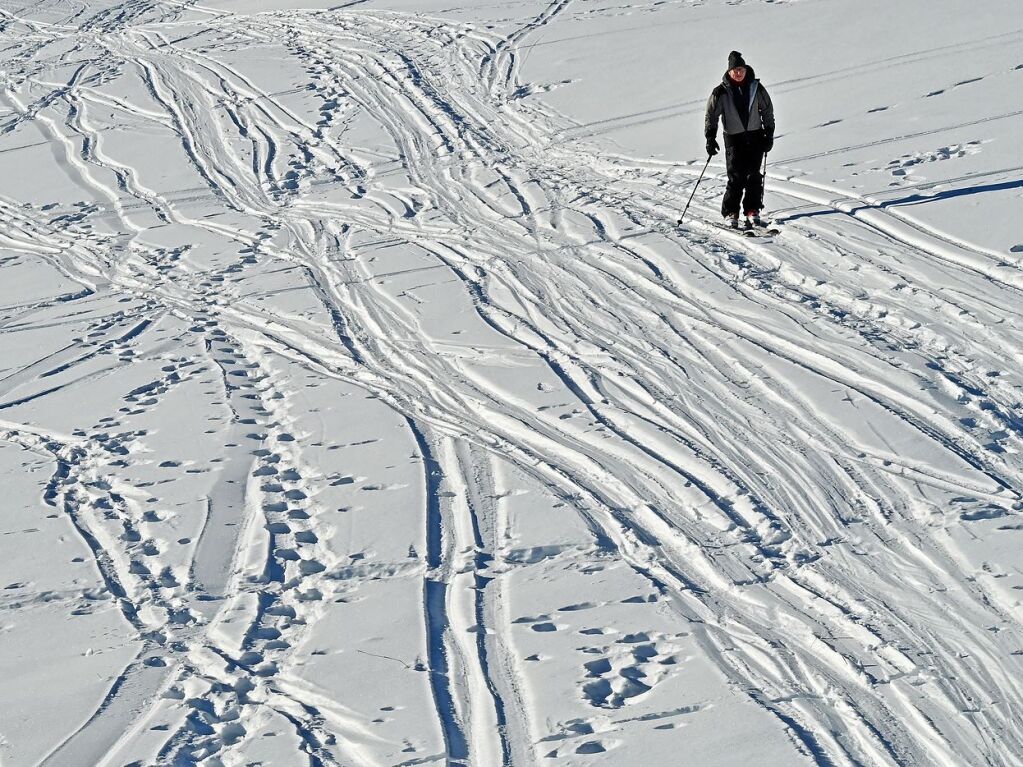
<point x="745" y="108"/>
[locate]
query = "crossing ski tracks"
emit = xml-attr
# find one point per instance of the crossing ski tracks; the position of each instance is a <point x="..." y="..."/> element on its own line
<point x="361" y="406"/>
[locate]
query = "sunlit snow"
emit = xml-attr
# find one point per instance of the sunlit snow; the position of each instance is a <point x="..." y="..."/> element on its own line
<point x="362" y="404"/>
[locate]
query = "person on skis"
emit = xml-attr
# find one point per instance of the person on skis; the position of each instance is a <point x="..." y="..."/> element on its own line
<point x="743" y="105"/>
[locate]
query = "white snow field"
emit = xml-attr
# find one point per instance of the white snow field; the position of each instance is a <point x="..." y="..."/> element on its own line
<point x="362" y="404"/>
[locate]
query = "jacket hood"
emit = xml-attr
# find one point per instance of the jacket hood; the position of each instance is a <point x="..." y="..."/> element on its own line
<point x="750" y="77"/>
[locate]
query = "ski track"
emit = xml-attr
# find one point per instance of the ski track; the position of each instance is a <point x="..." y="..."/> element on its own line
<point x="689" y="451"/>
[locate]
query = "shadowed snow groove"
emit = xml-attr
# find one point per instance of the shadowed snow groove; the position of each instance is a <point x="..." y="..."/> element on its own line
<point x="435" y="606"/>
<point x="456" y="747"/>
<point x="432" y="476"/>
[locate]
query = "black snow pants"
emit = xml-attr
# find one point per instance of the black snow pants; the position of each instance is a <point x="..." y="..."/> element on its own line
<point x="744" y="154"/>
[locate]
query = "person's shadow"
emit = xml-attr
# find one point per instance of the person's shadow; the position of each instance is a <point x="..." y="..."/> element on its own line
<point x="913" y="199"/>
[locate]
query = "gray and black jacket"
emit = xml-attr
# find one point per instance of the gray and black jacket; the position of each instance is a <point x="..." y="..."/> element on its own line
<point x="746" y="111"/>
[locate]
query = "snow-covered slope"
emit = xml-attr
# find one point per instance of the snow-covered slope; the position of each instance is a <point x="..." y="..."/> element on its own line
<point x="360" y="403"/>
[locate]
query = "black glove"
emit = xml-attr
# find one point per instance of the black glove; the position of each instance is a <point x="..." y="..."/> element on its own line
<point x="712" y="146"/>
<point x="768" y="144"/>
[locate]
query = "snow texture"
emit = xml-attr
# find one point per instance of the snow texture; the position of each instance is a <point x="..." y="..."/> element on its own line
<point x="361" y="403"/>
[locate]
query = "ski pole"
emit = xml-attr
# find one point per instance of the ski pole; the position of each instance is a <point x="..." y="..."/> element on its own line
<point x="764" y="192"/>
<point x="694" y="190"/>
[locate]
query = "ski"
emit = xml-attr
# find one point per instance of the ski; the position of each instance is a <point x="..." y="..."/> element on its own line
<point x="761" y="231"/>
<point x="754" y="232"/>
<point x="767" y="226"/>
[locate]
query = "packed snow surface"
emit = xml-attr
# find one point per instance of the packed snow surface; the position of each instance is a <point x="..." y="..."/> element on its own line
<point x="362" y="404"/>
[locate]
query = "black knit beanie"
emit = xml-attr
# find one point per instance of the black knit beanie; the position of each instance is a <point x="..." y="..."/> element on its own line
<point x="735" y="60"/>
